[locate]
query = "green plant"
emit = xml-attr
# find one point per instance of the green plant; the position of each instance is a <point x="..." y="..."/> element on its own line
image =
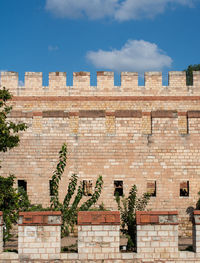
<point x="70" y="210"/>
<point x="9" y="130"/>
<point x="11" y="202"/>
<point x="198" y="202"/>
<point x="189" y="73"/>
<point x="128" y="207"/>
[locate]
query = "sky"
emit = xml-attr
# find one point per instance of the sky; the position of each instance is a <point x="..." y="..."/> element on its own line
<point x="95" y="35"/>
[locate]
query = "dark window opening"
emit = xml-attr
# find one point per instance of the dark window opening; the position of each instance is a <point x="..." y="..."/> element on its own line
<point x="184" y="188"/>
<point x="118" y="185"/>
<point x="87" y="187"/>
<point x="151" y="188"/>
<point x="51" y="192"/>
<point x="22" y="185"/>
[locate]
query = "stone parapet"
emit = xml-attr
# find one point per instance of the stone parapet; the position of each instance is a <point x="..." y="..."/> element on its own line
<point x="46" y="218"/>
<point x="1" y="232"/>
<point x="196" y="231"/>
<point x="157" y="217"/>
<point x="105" y="84"/>
<point x="98" y="218"/>
<point x="39" y="235"/>
<point x="98" y="234"/>
<point x="157" y="233"/>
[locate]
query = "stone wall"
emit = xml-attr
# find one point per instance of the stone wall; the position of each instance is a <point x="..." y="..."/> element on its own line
<point x="143" y="135"/>
<point x="98" y="235"/>
<point x="39" y="235"/>
<point x="157" y="234"/>
<point x="98" y="239"/>
<point x="1" y="232"/>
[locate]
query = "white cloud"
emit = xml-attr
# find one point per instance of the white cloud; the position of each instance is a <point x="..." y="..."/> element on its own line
<point x="135" y="55"/>
<point x="120" y="10"/>
<point x="52" y="48"/>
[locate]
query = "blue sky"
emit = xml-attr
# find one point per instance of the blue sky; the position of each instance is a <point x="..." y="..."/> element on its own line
<point x="93" y="35"/>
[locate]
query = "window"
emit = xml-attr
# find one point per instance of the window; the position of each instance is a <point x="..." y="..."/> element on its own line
<point x="151" y="188"/>
<point x="184" y="188"/>
<point x="50" y="188"/>
<point x="118" y="185"/>
<point x="87" y="187"/>
<point x="22" y="184"/>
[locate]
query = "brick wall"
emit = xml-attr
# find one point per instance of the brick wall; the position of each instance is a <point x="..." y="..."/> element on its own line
<point x="39" y="235"/>
<point x="98" y="234"/>
<point x="129" y="133"/>
<point x="196" y="231"/>
<point x="157" y="234"/>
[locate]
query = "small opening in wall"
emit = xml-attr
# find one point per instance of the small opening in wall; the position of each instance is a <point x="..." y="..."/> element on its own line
<point x="118" y="185"/>
<point x="22" y="184"/>
<point x="87" y="187"/>
<point x="50" y="187"/>
<point x="151" y="188"/>
<point x="184" y="188"/>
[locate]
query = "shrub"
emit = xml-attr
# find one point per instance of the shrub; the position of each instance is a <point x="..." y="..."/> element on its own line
<point x="70" y="210"/>
<point x="128" y="207"/>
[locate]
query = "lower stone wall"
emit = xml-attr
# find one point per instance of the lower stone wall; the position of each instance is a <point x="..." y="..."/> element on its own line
<point x="98" y="239"/>
<point x="1" y="232"/>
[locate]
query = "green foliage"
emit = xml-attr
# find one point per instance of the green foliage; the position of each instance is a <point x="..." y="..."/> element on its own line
<point x="9" y="130"/>
<point x="189" y="73"/>
<point x="128" y="207"/>
<point x="11" y="202"/>
<point x="57" y="176"/>
<point x="70" y="209"/>
<point x="198" y="202"/>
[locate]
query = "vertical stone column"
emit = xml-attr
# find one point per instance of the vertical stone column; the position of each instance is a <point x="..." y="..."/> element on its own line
<point x="110" y="123"/>
<point x="196" y="231"/>
<point x="74" y="122"/>
<point x="9" y="80"/>
<point x="182" y="123"/>
<point x="146" y="123"/>
<point x="129" y="82"/>
<point x="153" y="82"/>
<point x="157" y="234"/>
<point x="1" y="232"/>
<point x="39" y="235"/>
<point x="98" y="234"/>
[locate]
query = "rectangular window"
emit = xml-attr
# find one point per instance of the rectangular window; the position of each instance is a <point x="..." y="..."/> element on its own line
<point x="22" y="184"/>
<point x="87" y="187"/>
<point x="50" y="188"/>
<point x="184" y="188"/>
<point x="151" y="188"/>
<point x="118" y="186"/>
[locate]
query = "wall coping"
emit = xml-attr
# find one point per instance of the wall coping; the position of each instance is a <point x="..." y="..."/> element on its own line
<point x="98" y="218"/>
<point x="45" y="213"/>
<point x="42" y="218"/>
<point x="157" y="217"/>
<point x="196" y="214"/>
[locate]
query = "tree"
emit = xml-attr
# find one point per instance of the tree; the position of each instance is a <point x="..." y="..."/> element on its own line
<point x="189" y="73"/>
<point x="9" y="131"/>
<point x="10" y="199"/>
<point x="128" y="209"/>
<point x="70" y="210"/>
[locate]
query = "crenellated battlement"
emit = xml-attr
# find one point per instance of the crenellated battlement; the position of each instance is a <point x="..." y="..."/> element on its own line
<point x="57" y="86"/>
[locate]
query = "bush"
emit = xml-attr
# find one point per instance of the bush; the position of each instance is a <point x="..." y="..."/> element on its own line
<point x="70" y="210"/>
<point x="128" y="209"/>
<point x="11" y="202"/>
